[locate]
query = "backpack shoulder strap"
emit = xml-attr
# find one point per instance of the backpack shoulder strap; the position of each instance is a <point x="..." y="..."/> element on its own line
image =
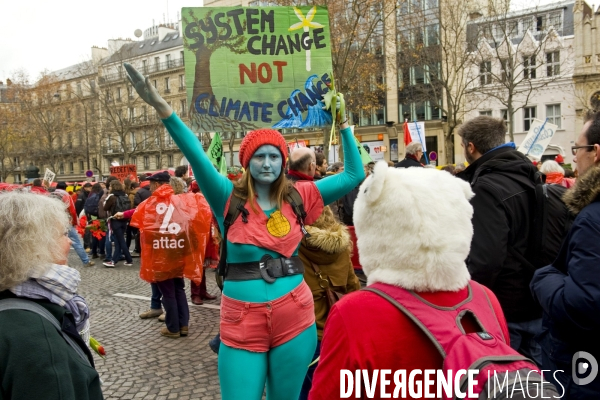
<point x="297" y="204"/>
<point x="27" y="305"/>
<point x="412" y="317"/>
<point x="236" y="207"/>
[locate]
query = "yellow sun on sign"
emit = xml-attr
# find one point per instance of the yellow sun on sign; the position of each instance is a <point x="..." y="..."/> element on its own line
<point x="305" y="24"/>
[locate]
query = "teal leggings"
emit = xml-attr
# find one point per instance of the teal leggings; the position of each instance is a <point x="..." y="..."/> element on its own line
<point x="243" y="373"/>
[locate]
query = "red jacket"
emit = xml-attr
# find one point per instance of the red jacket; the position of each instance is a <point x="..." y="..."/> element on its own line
<point x="365" y="331"/>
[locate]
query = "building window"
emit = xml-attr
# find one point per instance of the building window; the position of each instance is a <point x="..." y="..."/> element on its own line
<point x="527" y="24"/>
<point x="79" y="91"/>
<point x="81" y="168"/>
<point x="119" y="94"/>
<point x="504" y="113"/>
<point x="145" y="113"/>
<point x="417" y="75"/>
<point x="167" y="86"/>
<point x="146" y="162"/>
<point x="157" y="162"/>
<point x="155" y="83"/>
<point x="144" y="139"/>
<point x="132" y="140"/>
<point x="181" y="56"/>
<point x="145" y="66"/>
<point x="529" y="67"/>
<point x="133" y="160"/>
<point x="555" y="20"/>
<point x="130" y="91"/>
<point x="157" y="63"/>
<point x="170" y="160"/>
<point x="528" y="117"/>
<point x="432" y="34"/>
<point x="416" y="37"/>
<point x="168" y="60"/>
<point x="131" y="114"/>
<point x="553" y="63"/>
<point x="71" y="167"/>
<point x="95" y="162"/>
<point x="553" y="114"/>
<point x="485" y="73"/>
<point x="183" y="104"/>
<point x="486" y="113"/>
<point x="181" y="81"/>
<point x="61" y="168"/>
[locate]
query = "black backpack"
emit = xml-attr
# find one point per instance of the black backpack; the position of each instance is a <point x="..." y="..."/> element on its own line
<point x="236" y="207"/>
<point x="122" y="203"/>
<point x="550" y="224"/>
<point x="91" y="204"/>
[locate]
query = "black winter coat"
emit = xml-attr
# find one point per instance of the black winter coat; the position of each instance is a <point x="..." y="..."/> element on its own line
<point x="503" y="183"/>
<point x="569" y="289"/>
<point x="142" y="194"/>
<point x="81" y="199"/>
<point x="408" y="162"/>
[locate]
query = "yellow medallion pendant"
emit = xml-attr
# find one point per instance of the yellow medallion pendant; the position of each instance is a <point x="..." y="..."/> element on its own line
<point x="278" y="225"/>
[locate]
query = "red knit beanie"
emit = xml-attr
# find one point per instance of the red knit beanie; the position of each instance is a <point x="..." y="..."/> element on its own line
<point x="260" y="137"/>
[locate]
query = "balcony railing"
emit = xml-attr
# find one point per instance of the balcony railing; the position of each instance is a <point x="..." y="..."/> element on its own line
<point x="148" y="69"/>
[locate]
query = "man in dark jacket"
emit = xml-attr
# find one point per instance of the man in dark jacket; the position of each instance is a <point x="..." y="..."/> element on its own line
<point x="142" y="194"/>
<point x="569" y="289"/>
<point x="503" y="182"/>
<point x="414" y="152"/>
<point x="82" y="197"/>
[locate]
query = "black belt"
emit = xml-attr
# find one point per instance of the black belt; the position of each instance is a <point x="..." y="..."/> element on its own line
<point x="267" y="268"/>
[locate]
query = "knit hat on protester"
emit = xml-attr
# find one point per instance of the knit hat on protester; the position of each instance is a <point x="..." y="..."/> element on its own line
<point x="260" y="137"/>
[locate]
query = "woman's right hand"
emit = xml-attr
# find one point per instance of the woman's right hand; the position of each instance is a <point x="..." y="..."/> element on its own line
<point x="147" y="92"/>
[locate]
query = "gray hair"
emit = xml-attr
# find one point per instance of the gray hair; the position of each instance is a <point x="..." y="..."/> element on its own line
<point x="177" y="184"/>
<point x="413" y="147"/>
<point x="484" y="132"/>
<point x="31" y="226"/>
<point x="551" y="166"/>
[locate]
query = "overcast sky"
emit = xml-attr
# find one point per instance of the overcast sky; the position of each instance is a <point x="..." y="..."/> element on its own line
<point x="53" y="34"/>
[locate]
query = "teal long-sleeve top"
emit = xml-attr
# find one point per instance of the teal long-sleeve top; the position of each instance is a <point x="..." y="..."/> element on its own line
<point x="217" y="189"/>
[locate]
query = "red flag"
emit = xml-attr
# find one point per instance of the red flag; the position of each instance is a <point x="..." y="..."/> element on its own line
<point x="407" y="138"/>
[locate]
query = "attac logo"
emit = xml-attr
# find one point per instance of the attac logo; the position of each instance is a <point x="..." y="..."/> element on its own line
<point x="166" y="228"/>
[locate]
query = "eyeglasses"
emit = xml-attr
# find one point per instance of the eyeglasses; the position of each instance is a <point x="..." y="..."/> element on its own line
<point x="574" y="148"/>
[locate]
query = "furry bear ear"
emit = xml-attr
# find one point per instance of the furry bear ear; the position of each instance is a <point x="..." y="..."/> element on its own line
<point x="466" y="189"/>
<point x="373" y="186"/>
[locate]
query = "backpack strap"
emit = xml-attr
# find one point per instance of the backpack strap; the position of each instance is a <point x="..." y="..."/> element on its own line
<point x="236" y="207"/>
<point x="295" y="200"/>
<point x="412" y="317"/>
<point x="28" y="305"/>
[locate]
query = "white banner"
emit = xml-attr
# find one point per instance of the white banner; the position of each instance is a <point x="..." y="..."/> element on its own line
<point x="417" y="133"/>
<point x="49" y="176"/>
<point x="538" y="138"/>
<point x="374" y="150"/>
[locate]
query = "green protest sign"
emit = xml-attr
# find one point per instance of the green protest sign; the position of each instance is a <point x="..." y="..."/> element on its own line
<point x="256" y="67"/>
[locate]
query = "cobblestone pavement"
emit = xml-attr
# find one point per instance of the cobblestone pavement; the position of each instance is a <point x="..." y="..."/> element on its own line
<point x="141" y="364"/>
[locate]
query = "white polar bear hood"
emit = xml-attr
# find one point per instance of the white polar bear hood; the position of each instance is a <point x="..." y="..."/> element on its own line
<point x="414" y="229"/>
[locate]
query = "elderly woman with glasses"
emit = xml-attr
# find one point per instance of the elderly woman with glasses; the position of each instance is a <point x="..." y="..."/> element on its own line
<point x="42" y="353"/>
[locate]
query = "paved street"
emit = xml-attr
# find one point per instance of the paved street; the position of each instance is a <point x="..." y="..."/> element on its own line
<point x="141" y="364"/>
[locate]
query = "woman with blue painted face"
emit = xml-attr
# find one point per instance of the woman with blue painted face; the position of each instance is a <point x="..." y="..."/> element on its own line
<point x="267" y="325"/>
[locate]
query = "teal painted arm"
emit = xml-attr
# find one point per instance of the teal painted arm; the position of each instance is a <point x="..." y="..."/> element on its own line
<point x="214" y="186"/>
<point x="334" y="187"/>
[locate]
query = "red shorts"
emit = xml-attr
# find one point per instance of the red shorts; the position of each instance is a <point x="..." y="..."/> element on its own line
<point x="259" y="327"/>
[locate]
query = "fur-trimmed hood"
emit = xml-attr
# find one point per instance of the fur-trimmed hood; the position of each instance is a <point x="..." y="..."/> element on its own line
<point x="586" y="190"/>
<point x="414" y="228"/>
<point x="328" y="238"/>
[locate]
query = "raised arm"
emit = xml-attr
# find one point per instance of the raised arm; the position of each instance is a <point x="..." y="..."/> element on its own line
<point x="215" y="187"/>
<point x="334" y="187"/>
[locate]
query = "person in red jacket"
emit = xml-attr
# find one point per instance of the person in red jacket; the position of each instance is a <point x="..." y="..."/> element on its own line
<point x="414" y="233"/>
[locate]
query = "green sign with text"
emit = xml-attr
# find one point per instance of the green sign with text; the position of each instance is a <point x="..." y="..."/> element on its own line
<point x="256" y="67"/>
